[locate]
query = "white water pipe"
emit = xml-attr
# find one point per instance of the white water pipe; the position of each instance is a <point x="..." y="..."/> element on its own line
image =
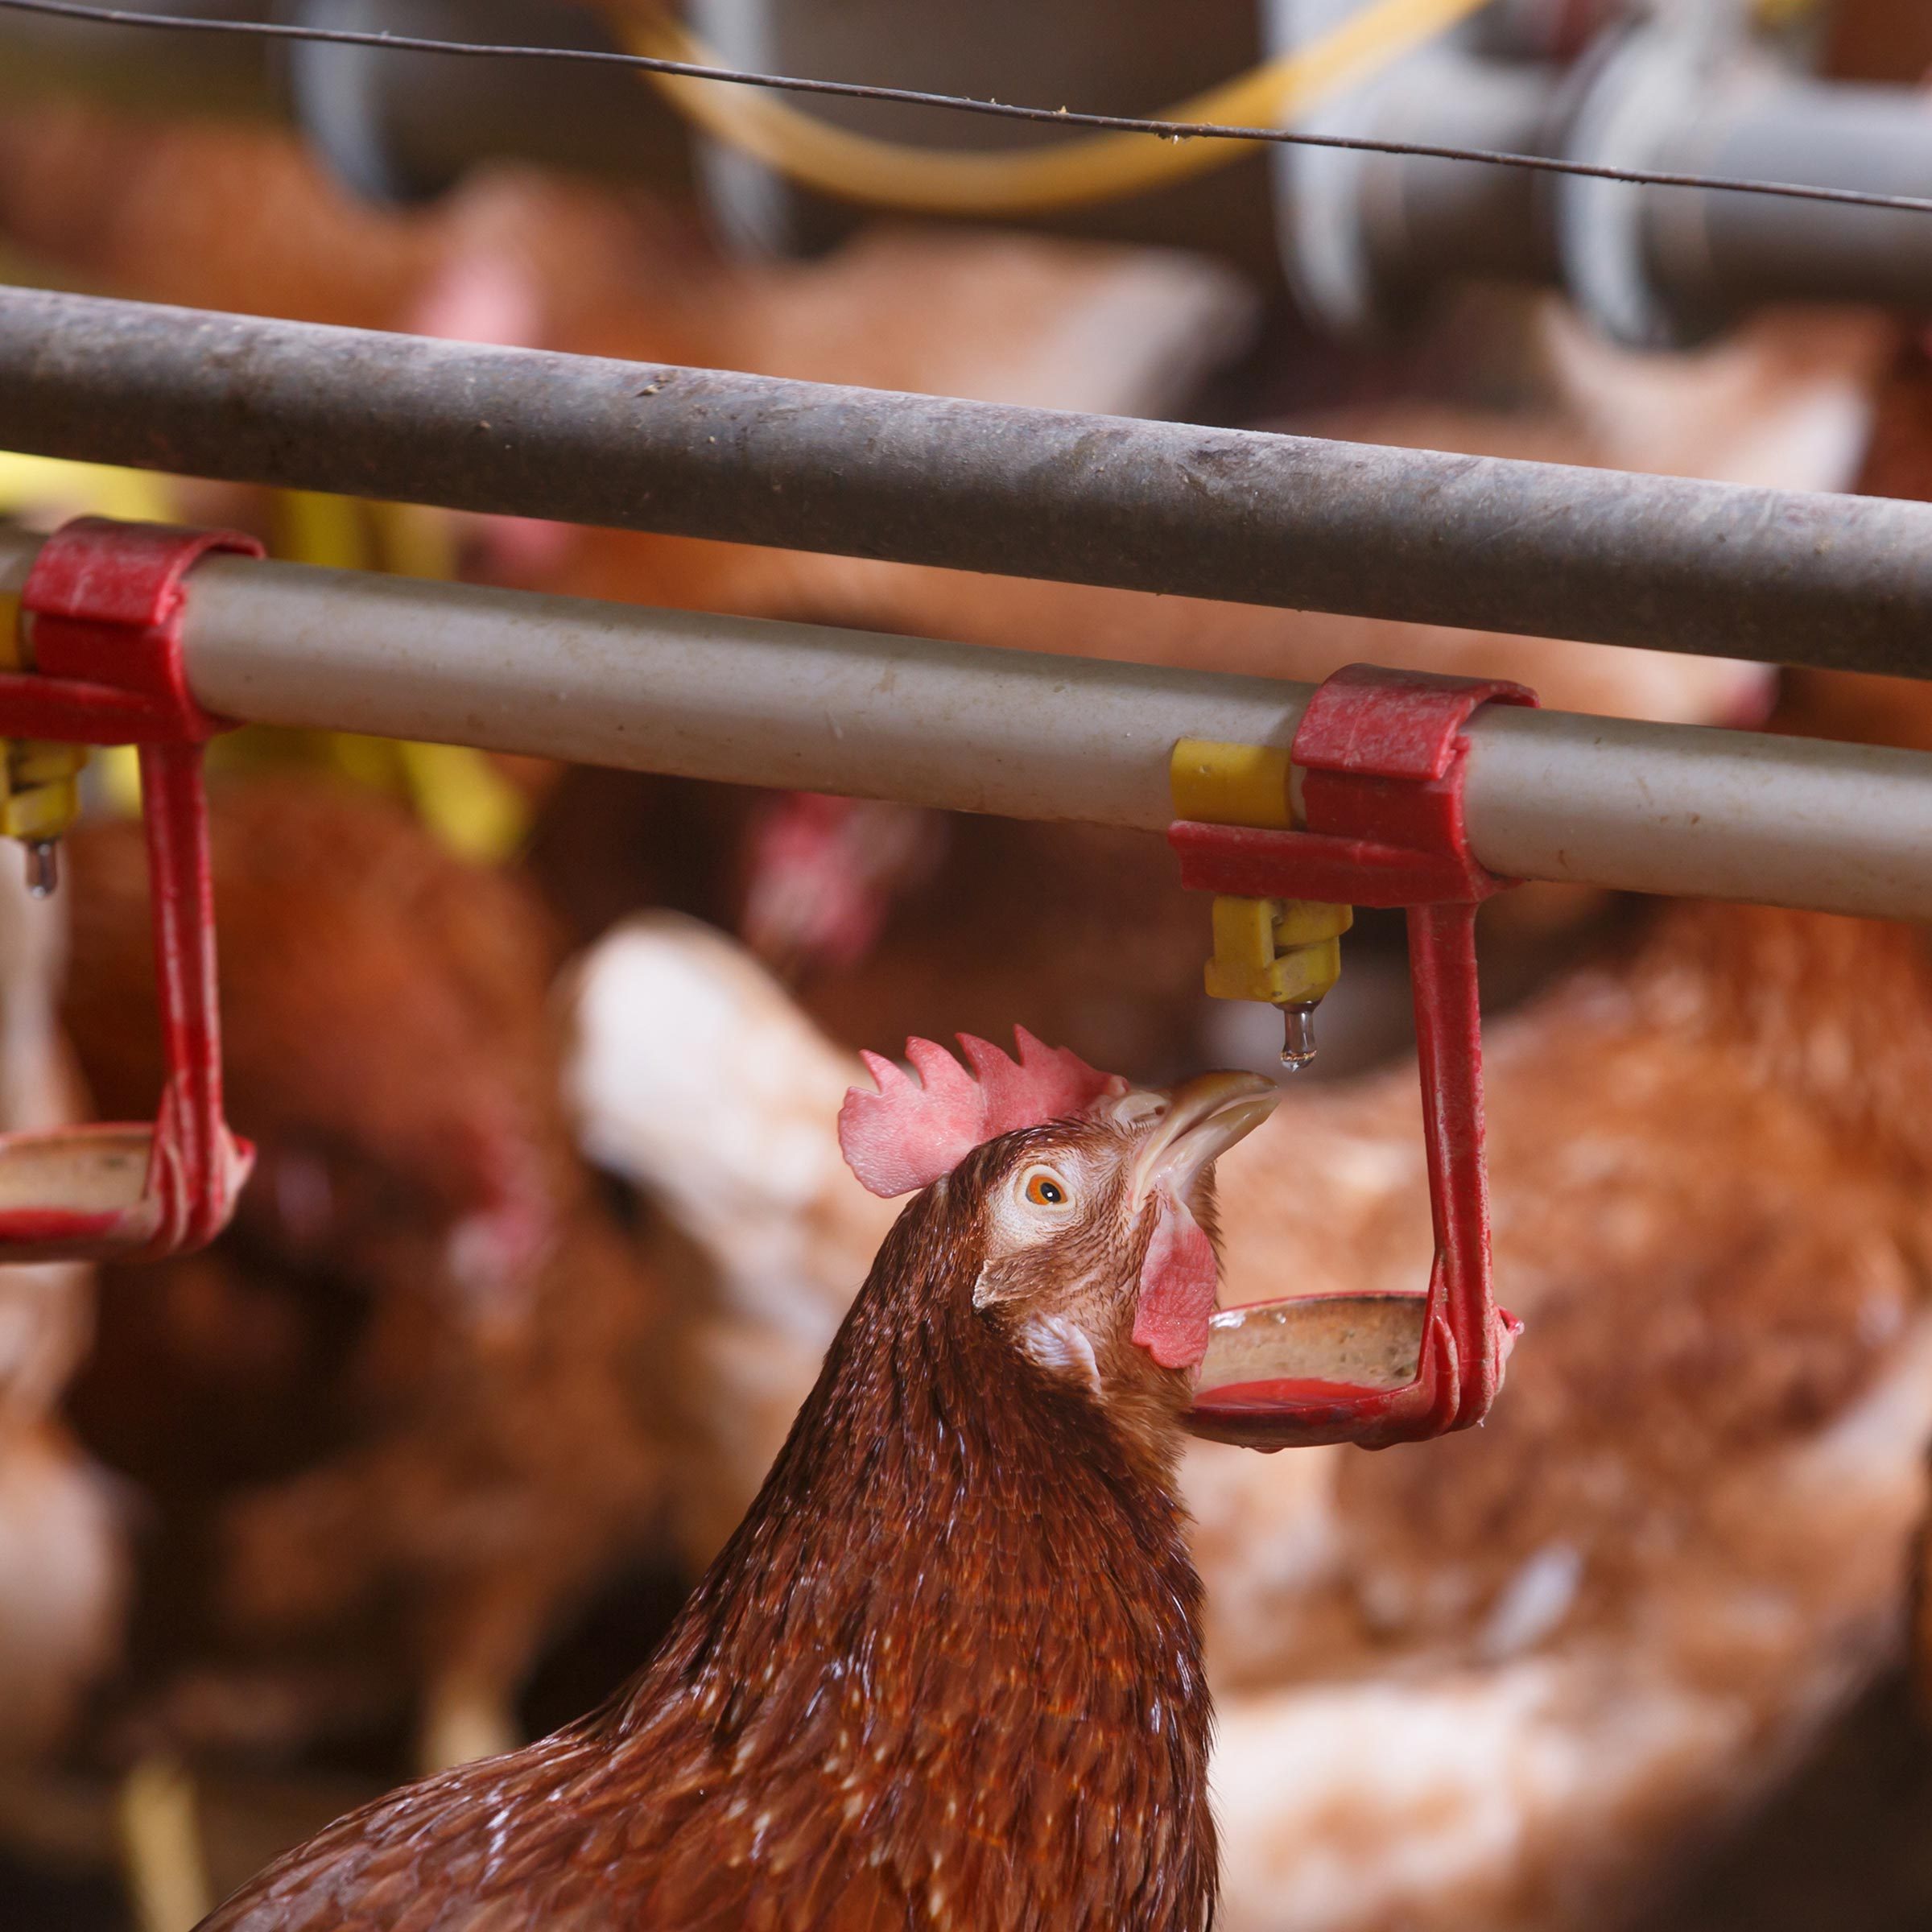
<point x="1662" y="808"/>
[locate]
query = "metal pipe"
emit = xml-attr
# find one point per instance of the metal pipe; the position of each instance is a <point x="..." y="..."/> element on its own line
<point x="390" y="121"/>
<point x="1673" y="265"/>
<point x="1640" y="808"/>
<point x="403" y="126"/>
<point x="748" y="700"/>
<point x="1657" y="265"/>
<point x="1427" y="224"/>
<point x="1727" y="253"/>
<point x="1700" y="813"/>
<point x="1416" y="535"/>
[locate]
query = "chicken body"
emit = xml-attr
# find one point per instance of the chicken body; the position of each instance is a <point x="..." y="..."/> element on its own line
<point x="948" y="1671"/>
<point x="392" y="1422"/>
<point x="1514" y="1683"/>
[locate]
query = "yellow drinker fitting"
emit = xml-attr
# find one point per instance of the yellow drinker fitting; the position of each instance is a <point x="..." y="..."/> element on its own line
<point x="40" y="778"/>
<point x="1287" y="952"/>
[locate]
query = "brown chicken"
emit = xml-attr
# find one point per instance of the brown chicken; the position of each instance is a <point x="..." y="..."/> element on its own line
<point x="948" y="1671"/>
<point x="1514" y="1685"/>
<point x="391" y="1420"/>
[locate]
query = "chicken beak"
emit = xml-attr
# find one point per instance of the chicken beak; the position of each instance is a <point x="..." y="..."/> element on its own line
<point x="1205" y="1117"/>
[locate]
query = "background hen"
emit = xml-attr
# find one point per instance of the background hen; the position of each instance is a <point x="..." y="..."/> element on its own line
<point x="389" y="1420"/>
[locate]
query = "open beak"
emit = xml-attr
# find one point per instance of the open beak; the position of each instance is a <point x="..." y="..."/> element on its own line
<point x="1205" y="1117"/>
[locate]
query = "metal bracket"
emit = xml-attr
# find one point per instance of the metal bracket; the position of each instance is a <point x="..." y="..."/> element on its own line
<point x="1381" y="753"/>
<point x="100" y="626"/>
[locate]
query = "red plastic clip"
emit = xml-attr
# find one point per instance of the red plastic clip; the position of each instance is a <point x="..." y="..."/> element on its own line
<point x="100" y="621"/>
<point x="1382" y="755"/>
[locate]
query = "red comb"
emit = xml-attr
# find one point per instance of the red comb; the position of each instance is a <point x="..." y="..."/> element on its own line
<point x="909" y="1132"/>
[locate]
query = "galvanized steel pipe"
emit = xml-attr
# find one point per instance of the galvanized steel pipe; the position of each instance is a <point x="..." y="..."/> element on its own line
<point x="1415" y="534"/>
<point x="1681" y="262"/>
<point x="1642" y="807"/>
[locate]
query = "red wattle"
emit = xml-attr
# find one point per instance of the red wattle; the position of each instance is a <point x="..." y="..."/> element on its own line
<point x="1177" y="1288"/>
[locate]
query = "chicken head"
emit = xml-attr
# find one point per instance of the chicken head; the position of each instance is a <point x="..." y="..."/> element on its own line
<point x="1088" y="1203"/>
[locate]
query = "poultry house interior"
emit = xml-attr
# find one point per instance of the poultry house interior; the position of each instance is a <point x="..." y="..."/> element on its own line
<point x="622" y="1449"/>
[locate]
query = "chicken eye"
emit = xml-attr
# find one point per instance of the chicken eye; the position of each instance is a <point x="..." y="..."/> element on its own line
<point x="1045" y="1189"/>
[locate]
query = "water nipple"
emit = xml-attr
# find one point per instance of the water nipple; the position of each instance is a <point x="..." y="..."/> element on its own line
<point x="1298" y="1034"/>
<point x="43" y="866"/>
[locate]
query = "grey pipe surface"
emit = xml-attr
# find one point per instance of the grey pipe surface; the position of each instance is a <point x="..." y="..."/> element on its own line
<point x="748" y="700"/>
<point x="1642" y="807"/>
<point x="1733" y="252"/>
<point x="1416" y="535"/>
<point x="1427" y="222"/>
<point x="431" y="118"/>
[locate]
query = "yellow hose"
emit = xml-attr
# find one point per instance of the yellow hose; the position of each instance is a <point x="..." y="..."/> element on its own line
<point x="161" y="1852"/>
<point x="1101" y="167"/>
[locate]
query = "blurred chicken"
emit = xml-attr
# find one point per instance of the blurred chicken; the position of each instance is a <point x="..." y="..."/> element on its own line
<point x="1875" y="710"/>
<point x="389" y="1422"/>
<point x="693" y="1073"/>
<point x="1563" y="1653"/>
<point x="1507" y="1682"/>
<point x="63" y="1566"/>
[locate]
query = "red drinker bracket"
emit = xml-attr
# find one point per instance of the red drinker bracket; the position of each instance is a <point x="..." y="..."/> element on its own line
<point x="100" y="625"/>
<point x="1382" y="755"/>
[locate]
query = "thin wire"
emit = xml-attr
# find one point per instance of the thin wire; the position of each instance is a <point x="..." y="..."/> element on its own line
<point x="1058" y="116"/>
<point x="1073" y="171"/>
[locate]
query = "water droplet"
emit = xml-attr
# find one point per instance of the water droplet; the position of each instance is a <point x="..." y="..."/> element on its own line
<point x="43" y="866"/>
<point x="1298" y="1034"/>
